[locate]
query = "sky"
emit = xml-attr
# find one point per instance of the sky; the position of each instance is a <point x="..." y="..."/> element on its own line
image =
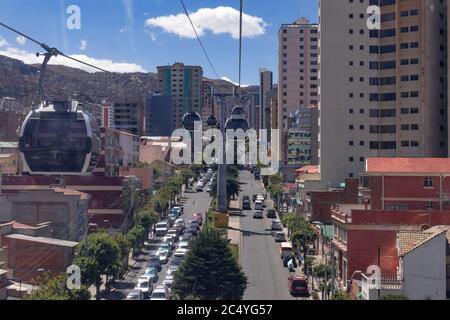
<point x="138" y="35"/>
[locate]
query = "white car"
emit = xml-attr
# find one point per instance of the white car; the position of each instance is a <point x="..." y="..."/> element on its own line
<point x="145" y="285"/>
<point x="168" y="284"/>
<point x="160" y="293"/>
<point x="276" y="225"/>
<point x="166" y="247"/>
<point x="163" y="256"/>
<point x="180" y="253"/>
<point x="161" y="229"/>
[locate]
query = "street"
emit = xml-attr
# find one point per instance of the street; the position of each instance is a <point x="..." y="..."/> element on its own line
<point x="260" y="256"/>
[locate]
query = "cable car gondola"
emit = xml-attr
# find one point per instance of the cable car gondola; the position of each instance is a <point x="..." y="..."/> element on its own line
<point x="237" y="120"/>
<point x="211" y="121"/>
<point x="59" y="138"/>
<point x="190" y="120"/>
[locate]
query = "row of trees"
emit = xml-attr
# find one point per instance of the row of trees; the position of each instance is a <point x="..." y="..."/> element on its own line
<point x="233" y="186"/>
<point x="302" y="234"/>
<point x="103" y="255"/>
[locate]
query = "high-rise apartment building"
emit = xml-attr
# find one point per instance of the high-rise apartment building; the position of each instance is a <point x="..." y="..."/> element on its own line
<point x="298" y="71"/>
<point x="266" y="85"/>
<point x="207" y="99"/>
<point x="159" y="111"/>
<point x="184" y="85"/>
<point x="382" y="92"/>
<point x="129" y="117"/>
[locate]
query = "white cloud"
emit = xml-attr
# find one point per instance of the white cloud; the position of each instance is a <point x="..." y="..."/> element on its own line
<point x="21" y="40"/>
<point x="106" y="64"/>
<point x="153" y="37"/>
<point x="220" y="20"/>
<point x="128" y="6"/>
<point x="83" y="44"/>
<point x="3" y="42"/>
<point x="122" y="30"/>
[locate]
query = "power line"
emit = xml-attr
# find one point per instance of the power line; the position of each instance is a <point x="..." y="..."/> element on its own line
<point x="52" y="51"/>
<point x="198" y="38"/>
<point x="240" y="41"/>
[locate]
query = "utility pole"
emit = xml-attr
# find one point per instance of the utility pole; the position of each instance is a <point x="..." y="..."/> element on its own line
<point x="222" y="201"/>
<point x="325" y="292"/>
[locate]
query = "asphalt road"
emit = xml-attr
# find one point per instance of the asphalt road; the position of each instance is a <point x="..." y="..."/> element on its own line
<point x="193" y="203"/>
<point x="259" y="252"/>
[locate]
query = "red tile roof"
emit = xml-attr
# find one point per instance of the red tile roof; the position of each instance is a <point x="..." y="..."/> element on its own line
<point x="308" y="170"/>
<point x="408" y="165"/>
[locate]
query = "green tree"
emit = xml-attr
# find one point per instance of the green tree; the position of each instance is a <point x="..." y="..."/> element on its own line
<point x="136" y="236"/>
<point x="233" y="187"/>
<point x="302" y="233"/>
<point x="210" y="272"/>
<point x="125" y="246"/>
<point x="146" y="218"/>
<point x="341" y="295"/>
<point x="161" y="201"/>
<point x="55" y="288"/>
<point x="276" y="192"/>
<point x="186" y="174"/>
<point x="99" y="255"/>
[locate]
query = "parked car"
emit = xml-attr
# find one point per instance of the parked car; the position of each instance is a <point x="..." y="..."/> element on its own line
<point x="153" y="262"/>
<point x="174" y="233"/>
<point x="163" y="256"/>
<point x="287" y="258"/>
<point x="192" y="231"/>
<point x="179" y="225"/>
<point x="180" y="253"/>
<point x="186" y="237"/>
<point x="280" y="237"/>
<point x="254" y="197"/>
<point x="246" y="205"/>
<point x="145" y="285"/>
<point x="152" y="273"/>
<point x="168" y="284"/>
<point x="169" y="239"/>
<point x="183" y="245"/>
<point x="199" y="218"/>
<point x="276" y="225"/>
<point x="161" y="229"/>
<point x="271" y="214"/>
<point x="298" y="286"/>
<point x="160" y="293"/>
<point x="135" y="295"/>
<point x="258" y="214"/>
<point x="193" y="224"/>
<point x="164" y="246"/>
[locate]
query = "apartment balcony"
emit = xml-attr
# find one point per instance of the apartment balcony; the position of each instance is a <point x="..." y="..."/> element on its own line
<point x="389" y="283"/>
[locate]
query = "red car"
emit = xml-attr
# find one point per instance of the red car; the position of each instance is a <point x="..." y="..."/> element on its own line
<point x="298" y="286"/>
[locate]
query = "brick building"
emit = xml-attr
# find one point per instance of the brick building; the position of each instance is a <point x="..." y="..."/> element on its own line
<point x="29" y="251"/>
<point x="108" y="195"/>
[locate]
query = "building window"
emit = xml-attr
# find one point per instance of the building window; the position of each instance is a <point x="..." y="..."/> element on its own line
<point x="429" y="205"/>
<point x="428" y="182"/>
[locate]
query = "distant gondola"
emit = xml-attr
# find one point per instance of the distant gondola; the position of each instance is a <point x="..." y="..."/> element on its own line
<point x="237" y="120"/>
<point x="190" y="119"/>
<point x="59" y="138"/>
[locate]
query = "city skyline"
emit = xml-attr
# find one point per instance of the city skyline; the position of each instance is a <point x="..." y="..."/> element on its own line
<point x="138" y="36"/>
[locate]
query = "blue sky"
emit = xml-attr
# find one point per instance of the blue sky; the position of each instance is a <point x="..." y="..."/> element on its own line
<point x="142" y="34"/>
